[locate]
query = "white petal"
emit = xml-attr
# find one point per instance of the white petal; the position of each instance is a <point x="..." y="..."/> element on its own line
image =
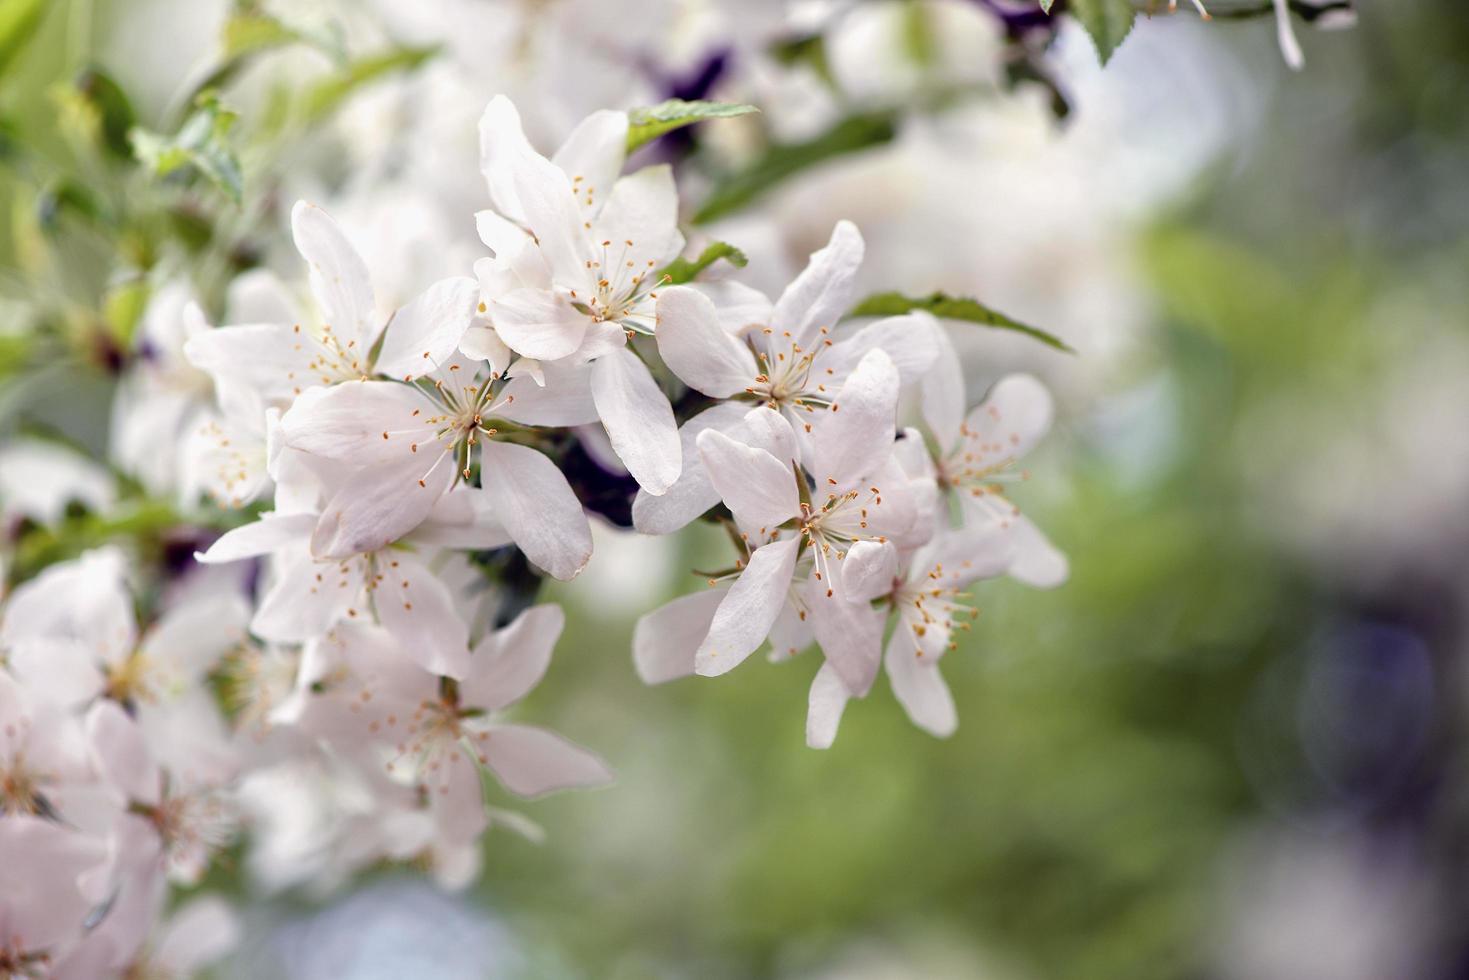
<point x="462" y="518"/>
<point x="858" y="432"/>
<point x="1037" y="563"/>
<point x="419" y="610"/>
<point x="532" y="761"/>
<point x="765" y="428"/>
<point x="556" y="394"/>
<point x="664" y="640"/>
<point x="824" y="707"/>
<point x="481" y="343"/>
<point x="822" y="294"/>
<point x="748" y="610"/>
<point x="426" y="332"/>
<point x="538" y="323"/>
<point x="697" y="349"/>
<point x="511" y="661"/>
<point x="739" y="307"/>
<point x="339" y="277"/>
<point x="536" y="505"/>
<point x="266" y="357"/>
<point x="500" y="234"/>
<point x="638" y="419"/>
<point x="942" y="394"/>
<point x="305" y="597"/>
<point x="759" y="489"/>
<point x="1009" y="422"/>
<point x="270" y="532"/>
<point x="920" y="688"/>
<point x="362" y="422"/>
<point x="189" y="640"/>
<point x="593" y="154"/>
<point x="850" y="635"/>
<point x="909" y="340"/>
<point x="121" y="754"/>
<point x="869" y="571"/>
<point x="61" y="671"/>
<point x="378" y="506"/>
<point x="692" y="493"/>
<point x="640" y="219"/>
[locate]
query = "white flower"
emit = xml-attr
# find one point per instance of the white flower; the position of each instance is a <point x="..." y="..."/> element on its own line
<point x="43" y="905"/>
<point x="576" y="249"/>
<point x="977" y="457"/>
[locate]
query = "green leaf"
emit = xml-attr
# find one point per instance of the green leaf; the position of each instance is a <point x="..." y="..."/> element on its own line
<point x="953" y="308"/>
<point x="64" y="197"/>
<point x="1046" y="5"/>
<point x="650" y="122"/>
<point x="324" y="98"/>
<point x="249" y="32"/>
<point x="201" y="143"/>
<point x="686" y="270"/>
<point x="18" y="21"/>
<point x="785" y="160"/>
<point x="111" y="110"/>
<point x="1107" y="21"/>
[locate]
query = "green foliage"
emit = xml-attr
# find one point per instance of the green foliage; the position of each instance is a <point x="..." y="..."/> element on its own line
<point x="953" y="308"/>
<point x="1107" y="21"/>
<point x="1046" y="5"/>
<point x="327" y="96"/>
<point x="18" y="21"/>
<point x="111" y="111"/>
<point x="201" y="143"/>
<point x="682" y="270"/>
<point x="250" y="32"/>
<point x="647" y="123"/>
<point x="783" y="161"/>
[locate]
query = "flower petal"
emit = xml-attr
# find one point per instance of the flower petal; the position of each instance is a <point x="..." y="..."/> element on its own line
<point x="339" y="277"/>
<point x="919" y="687"/>
<point x="536" y="505"/>
<point x="592" y="157"/>
<point x="533" y="761"/>
<point x="869" y="571"/>
<point x="122" y="756"/>
<point x="697" y="349"/>
<point x="261" y="537"/>
<point x="1008" y="423"/>
<point x="824" y="707"/>
<point x="638" y="419"/>
<point x="745" y="615"/>
<point x="850" y="635"/>
<point x="425" y="333"/>
<point x="822" y="294"/>
<point x="1038" y="563"/>
<point x="942" y="394"/>
<point x="857" y="434"/>
<point x="419" y="610"/>
<point x="511" y="661"/>
<point x="640" y="220"/>
<point x="665" y="640"/>
<point x="692" y="493"/>
<point x="759" y="489"/>
<point x="538" y="323"/>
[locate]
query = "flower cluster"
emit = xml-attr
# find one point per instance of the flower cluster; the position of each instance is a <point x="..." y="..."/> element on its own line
<point x="355" y="649"/>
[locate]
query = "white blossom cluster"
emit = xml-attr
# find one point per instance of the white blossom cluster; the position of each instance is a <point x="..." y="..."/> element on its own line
<point x="358" y="675"/>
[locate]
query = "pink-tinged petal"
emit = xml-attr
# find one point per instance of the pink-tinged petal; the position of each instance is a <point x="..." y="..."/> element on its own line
<point x="697" y="349"/>
<point x="692" y="493"/>
<point x="790" y="634"/>
<point x="304" y="597"/>
<point x="258" y="296"/>
<point x="537" y="507"/>
<point x="462" y="518"/>
<point x="665" y="640"/>
<point x="538" y="323"/>
<point x="824" y="707"/>
<point x="272" y="359"/>
<point x="271" y="532"/>
<point x="909" y="340"/>
<point x="942" y="394"/>
<point x="592" y="157"/>
<point x="869" y="571"/>
<point x="556" y="394"/>
<point x="638" y="419"/>
<point x="527" y="188"/>
<point x="511" y="661"/>
<point x="532" y="761"/>
<point x="1008" y="423"/>
<point x="759" y="489"/>
<point x="919" y="687"/>
<point x="956" y="558"/>
<point x="640" y="220"/>
<point x="189" y="640"/>
<point x="122" y="756"/>
<point x="1038" y="563"/>
<point x="62" y="671"/>
<point x="744" y="617"/>
<point x="40" y="865"/>
<point x="419" y="610"/>
<point x="362" y="423"/>
<point x="339" y="277"/>
<point x="426" y="332"/>
<point x="458" y="800"/>
<point x="382" y="504"/>
<point x="822" y="294"/>
<point x="850" y="635"/>
<point x="199" y="933"/>
<point x="765" y="428"/>
<point x="857" y="434"/>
